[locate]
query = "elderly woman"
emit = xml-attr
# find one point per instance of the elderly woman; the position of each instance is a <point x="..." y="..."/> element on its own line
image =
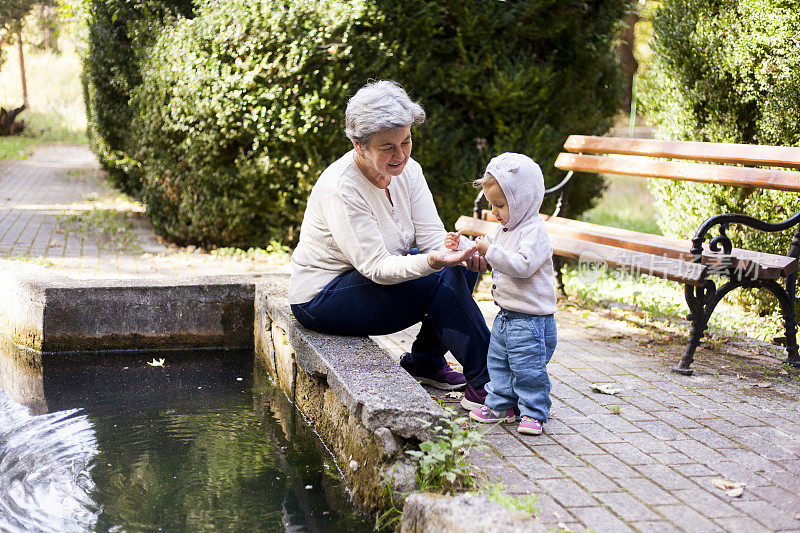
<point x="371" y="257"/>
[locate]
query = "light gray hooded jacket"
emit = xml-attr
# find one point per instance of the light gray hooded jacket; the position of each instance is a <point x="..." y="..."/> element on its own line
<point x="520" y="252"/>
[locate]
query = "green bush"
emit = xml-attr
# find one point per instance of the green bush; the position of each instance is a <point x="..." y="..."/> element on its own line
<point x="725" y="71"/>
<point x="240" y="109"/>
<point x="119" y="33"/>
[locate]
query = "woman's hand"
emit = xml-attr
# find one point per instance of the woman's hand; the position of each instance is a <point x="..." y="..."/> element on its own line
<point x="482" y="244"/>
<point x="452" y="239"/>
<point x="446" y="258"/>
<point x="476" y="263"/>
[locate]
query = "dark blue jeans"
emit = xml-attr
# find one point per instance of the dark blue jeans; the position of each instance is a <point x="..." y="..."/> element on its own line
<point x="353" y="305"/>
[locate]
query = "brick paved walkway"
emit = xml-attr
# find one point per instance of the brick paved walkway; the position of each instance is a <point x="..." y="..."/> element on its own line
<point x="641" y="460"/>
<point x="38" y="194"/>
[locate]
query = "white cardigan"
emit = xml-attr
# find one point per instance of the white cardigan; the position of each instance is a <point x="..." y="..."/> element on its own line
<point x="349" y="223"/>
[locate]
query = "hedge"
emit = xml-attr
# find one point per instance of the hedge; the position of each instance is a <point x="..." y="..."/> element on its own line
<point x="725" y="71"/>
<point x="240" y="108"/>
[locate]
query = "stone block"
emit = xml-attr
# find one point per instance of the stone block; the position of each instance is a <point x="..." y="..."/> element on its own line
<point x="425" y="512"/>
<point x="285" y="365"/>
<point x="363" y="376"/>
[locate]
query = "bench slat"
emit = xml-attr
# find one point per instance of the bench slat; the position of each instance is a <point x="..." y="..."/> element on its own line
<point x="744" y="154"/>
<point x="782" y="180"/>
<point x="756" y="265"/>
<point x="629" y="260"/>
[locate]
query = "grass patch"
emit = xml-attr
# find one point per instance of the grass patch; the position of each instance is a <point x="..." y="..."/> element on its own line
<point x="627" y="204"/>
<point x="110" y="227"/>
<point x="40" y="128"/>
<point x="56" y="113"/>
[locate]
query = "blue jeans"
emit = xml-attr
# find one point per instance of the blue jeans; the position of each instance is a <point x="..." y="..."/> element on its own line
<point x="354" y="305"/>
<point x="520" y="348"/>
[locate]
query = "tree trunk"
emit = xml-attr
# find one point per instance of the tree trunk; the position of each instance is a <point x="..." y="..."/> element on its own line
<point x="22" y="70"/>
<point x="628" y="60"/>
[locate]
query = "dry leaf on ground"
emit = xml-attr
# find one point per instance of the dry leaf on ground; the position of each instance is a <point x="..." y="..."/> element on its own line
<point x="606" y="388"/>
<point x="156" y="362"/>
<point x="454" y="395"/>
<point x="736" y="492"/>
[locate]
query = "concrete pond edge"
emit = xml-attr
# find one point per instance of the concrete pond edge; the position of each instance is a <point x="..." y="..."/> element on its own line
<point x="366" y="409"/>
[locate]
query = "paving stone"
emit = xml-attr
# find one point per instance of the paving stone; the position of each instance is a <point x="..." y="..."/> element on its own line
<point x="673" y="458"/>
<point x="628" y="453"/>
<point x="558" y="456"/>
<point x="708" y="504"/>
<point x="661" y="430"/>
<point x="536" y="468"/>
<point x="508" y="445"/>
<point x="779" y="497"/>
<point x="655" y="527"/>
<point x="566" y="492"/>
<point x="615" y="423"/>
<point x="787" y="480"/>
<point x="734" y="471"/>
<point x="694" y="470"/>
<point x="632" y="412"/>
<point x="647" y="443"/>
<point x="769" y="515"/>
<point x="752" y="461"/>
<point x="577" y="444"/>
<point x="647" y="491"/>
<point x="711" y="438"/>
<point x="590" y="479"/>
<point x="626" y="506"/>
<point x="697" y="451"/>
<point x="740" y="524"/>
<point x="688" y="519"/>
<point x="611" y="466"/>
<point x="735" y="417"/>
<point x="764" y="447"/>
<point x="595" y="433"/>
<point x="601" y="520"/>
<point x="552" y="512"/>
<point x="665" y="477"/>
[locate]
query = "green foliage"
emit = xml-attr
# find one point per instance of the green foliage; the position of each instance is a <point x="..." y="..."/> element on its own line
<point x="443" y="462"/>
<point x="529" y="503"/>
<point x="225" y="121"/>
<point x="725" y="72"/>
<point x="119" y="34"/>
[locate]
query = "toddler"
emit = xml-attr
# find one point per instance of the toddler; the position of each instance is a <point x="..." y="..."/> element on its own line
<point x="524" y="332"/>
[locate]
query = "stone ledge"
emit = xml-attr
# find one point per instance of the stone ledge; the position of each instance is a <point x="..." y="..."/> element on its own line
<point x="51" y="313"/>
<point x="364" y="377"/>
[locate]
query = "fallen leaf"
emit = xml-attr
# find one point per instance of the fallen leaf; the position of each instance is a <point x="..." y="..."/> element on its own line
<point x="739" y="376"/>
<point x="156" y="362"/>
<point x="735" y="492"/>
<point x="723" y="484"/>
<point x="606" y="388"/>
<point x="454" y="395"/>
<point x="797" y="516"/>
<point x="784" y="372"/>
<point x="764" y="384"/>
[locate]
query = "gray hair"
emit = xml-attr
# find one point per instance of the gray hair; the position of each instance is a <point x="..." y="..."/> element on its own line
<point x="379" y="106"/>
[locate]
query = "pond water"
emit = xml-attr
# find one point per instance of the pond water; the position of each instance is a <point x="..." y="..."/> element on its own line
<point x="203" y="442"/>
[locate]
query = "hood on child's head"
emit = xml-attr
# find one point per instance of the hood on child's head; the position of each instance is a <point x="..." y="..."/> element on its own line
<point x="522" y="182"/>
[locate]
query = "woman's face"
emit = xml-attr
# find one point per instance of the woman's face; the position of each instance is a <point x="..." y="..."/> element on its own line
<point x="385" y="155"/>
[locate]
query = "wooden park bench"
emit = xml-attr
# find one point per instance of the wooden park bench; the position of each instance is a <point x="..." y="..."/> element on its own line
<point x="698" y="263"/>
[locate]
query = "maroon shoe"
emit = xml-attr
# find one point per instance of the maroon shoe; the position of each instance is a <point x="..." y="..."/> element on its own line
<point x="473" y="398"/>
<point x="444" y="378"/>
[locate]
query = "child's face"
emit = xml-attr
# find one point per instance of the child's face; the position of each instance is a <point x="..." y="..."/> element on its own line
<point x="495" y="196"/>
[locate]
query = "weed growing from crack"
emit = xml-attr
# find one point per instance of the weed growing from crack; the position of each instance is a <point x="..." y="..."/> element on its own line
<point x="110" y="227"/>
<point x="443" y="462"/>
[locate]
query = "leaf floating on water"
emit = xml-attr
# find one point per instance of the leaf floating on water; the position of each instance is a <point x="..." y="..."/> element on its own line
<point x="454" y="395"/>
<point x="156" y="362"/>
<point x="606" y="388"/>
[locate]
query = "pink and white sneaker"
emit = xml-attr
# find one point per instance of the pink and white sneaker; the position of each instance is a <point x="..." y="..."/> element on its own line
<point x="485" y="415"/>
<point x="529" y="426"/>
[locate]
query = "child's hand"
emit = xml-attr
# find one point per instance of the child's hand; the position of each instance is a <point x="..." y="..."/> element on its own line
<point x="451" y="240"/>
<point x="483" y="245"/>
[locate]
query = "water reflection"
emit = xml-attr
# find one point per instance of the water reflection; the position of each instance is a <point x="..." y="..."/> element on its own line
<point x="45" y="470"/>
<point x="202" y="443"/>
